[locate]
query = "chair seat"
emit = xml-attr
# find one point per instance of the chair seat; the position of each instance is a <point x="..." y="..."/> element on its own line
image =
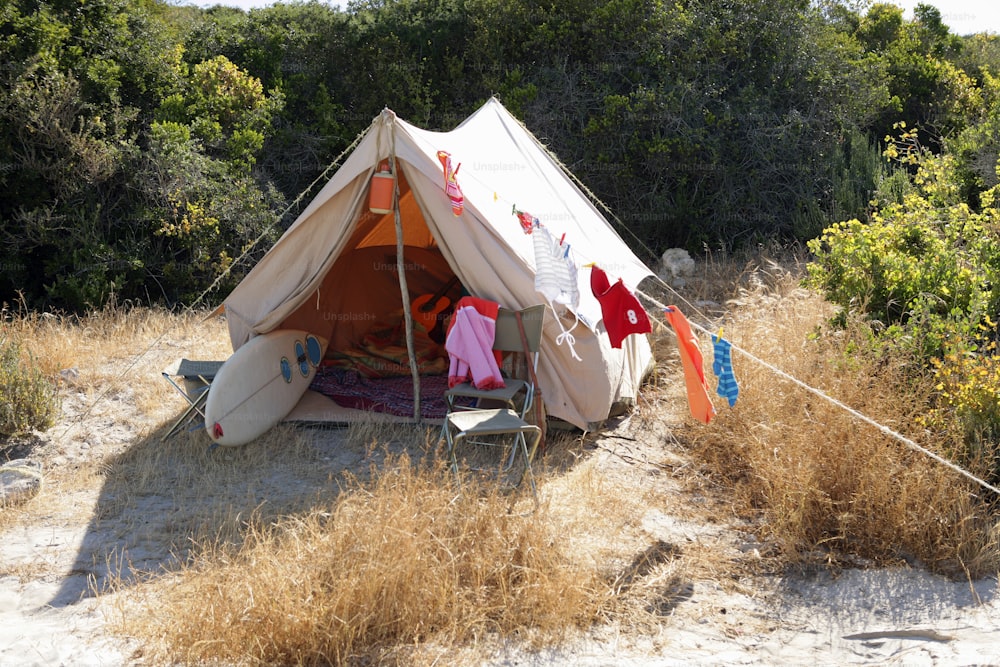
<point x="506" y="394"/>
<point x="472" y="425"/>
<point x="189" y="368"/>
<point x="488" y="422"/>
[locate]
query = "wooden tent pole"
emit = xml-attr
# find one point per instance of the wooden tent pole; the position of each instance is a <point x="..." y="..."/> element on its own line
<point x="401" y="271"/>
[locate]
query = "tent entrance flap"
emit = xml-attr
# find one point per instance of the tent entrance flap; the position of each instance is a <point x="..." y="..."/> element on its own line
<point x="379" y="228"/>
<point x="360" y="293"/>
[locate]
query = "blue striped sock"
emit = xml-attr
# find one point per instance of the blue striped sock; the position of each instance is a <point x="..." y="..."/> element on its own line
<point x="722" y="366"/>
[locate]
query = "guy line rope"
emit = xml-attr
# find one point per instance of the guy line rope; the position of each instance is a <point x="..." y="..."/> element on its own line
<point x="201" y="297"/>
<point x="777" y="371"/>
<point x="774" y="369"/>
<point x="854" y="413"/>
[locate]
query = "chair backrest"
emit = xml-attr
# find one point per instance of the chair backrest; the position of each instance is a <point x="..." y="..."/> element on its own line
<point x="508" y="335"/>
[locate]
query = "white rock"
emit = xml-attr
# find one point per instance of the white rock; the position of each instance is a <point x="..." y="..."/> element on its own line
<point x="70" y="375"/>
<point x="20" y="481"/>
<point x="674" y="265"/>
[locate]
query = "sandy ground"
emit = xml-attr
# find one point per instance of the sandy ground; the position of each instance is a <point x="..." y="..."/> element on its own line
<point x="48" y="615"/>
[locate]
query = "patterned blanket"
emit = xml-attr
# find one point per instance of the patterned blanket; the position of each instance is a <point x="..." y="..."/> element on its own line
<point x="393" y="395"/>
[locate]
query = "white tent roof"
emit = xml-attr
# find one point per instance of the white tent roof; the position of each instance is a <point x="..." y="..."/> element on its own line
<point x="502" y="166"/>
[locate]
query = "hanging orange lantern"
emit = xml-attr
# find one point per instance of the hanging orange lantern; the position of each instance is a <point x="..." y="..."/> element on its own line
<point x="380" y="192"/>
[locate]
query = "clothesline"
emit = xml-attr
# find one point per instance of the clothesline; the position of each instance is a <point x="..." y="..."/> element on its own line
<point x="855" y="413"/>
<point x="777" y="371"/>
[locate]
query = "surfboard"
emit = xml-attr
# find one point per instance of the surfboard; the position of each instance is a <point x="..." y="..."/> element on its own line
<point x="260" y="384"/>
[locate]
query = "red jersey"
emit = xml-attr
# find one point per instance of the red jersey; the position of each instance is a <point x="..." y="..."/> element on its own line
<point x="621" y="311"/>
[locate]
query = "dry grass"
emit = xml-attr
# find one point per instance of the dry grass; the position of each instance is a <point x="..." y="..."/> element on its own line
<point x="392" y="565"/>
<point x="108" y="351"/>
<point x="88" y="342"/>
<point x="398" y="568"/>
<point x="307" y="547"/>
<point x="824" y="486"/>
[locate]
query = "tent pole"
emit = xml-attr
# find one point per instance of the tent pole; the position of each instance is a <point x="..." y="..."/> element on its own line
<point x="403" y="289"/>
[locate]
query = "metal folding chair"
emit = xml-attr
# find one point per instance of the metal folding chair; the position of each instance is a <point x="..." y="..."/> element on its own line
<point x="501" y="412"/>
<point x="196" y="377"/>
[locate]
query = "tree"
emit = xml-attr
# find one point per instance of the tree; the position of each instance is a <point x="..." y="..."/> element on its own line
<point x="90" y="111"/>
<point x="928" y="91"/>
<point x="74" y="85"/>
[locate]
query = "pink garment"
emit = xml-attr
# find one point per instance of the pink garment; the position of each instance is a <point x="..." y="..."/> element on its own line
<point x="451" y="187"/>
<point x="470" y="348"/>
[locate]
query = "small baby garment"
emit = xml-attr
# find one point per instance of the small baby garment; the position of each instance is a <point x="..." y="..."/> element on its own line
<point x="722" y="366"/>
<point x="556" y="280"/>
<point x="451" y="187"/>
<point x="620" y="309"/>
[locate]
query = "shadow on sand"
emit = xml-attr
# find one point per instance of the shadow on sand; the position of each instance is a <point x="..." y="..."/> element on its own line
<point x="161" y="499"/>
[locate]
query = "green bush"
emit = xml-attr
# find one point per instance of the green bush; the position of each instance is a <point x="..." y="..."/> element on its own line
<point x="28" y="400"/>
<point x="925" y="272"/>
<point x="968" y="382"/>
<point x="924" y="268"/>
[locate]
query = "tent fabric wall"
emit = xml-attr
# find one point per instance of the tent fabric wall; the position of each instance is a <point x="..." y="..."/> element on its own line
<point x="502" y="166"/>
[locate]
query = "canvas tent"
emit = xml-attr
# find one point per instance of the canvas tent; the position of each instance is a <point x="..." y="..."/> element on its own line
<point x="335" y="271"/>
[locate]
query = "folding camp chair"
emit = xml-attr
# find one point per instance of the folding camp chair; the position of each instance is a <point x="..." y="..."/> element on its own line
<point x="517" y="394"/>
<point x="196" y="376"/>
<point x="498" y="417"/>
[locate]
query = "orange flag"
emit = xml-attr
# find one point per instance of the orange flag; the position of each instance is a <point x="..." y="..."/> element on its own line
<point x="694" y="372"/>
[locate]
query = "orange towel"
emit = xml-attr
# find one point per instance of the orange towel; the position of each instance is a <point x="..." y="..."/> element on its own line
<point x="694" y="372"/>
